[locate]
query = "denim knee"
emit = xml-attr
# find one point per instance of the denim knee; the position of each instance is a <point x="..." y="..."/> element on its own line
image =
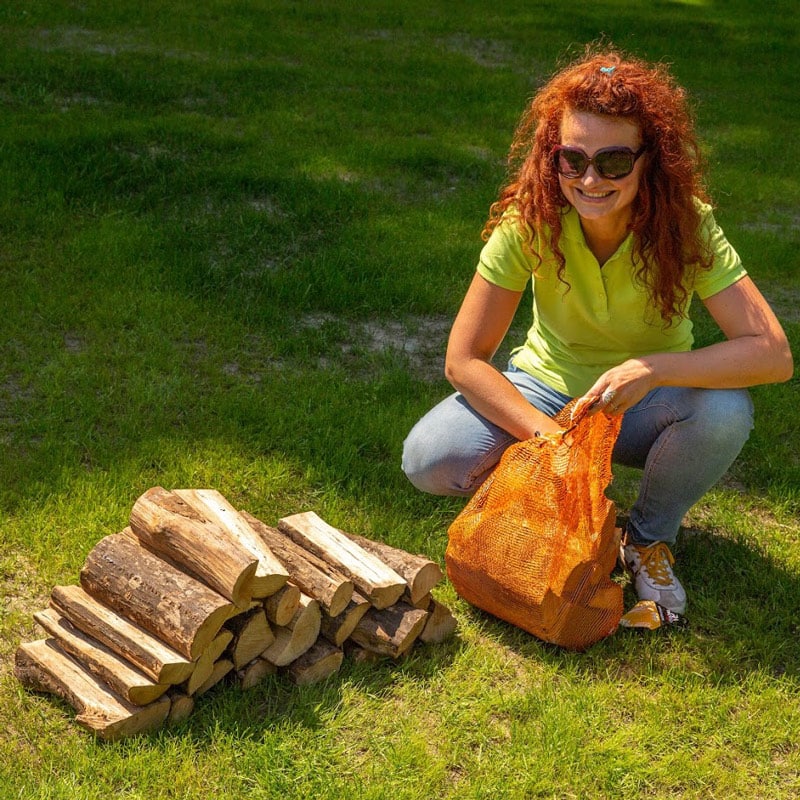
<point x="724" y="417"/>
<point x="424" y="466"/>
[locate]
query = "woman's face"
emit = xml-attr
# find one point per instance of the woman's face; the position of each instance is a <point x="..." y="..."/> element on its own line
<point x="598" y="200"/>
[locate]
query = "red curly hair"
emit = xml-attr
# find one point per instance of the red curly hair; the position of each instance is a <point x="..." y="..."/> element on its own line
<point x="668" y="246"/>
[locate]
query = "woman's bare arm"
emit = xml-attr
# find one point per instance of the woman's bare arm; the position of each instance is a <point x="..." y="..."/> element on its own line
<point x="483" y="320"/>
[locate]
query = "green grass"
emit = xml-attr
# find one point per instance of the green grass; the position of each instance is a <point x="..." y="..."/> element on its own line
<point x="211" y="216"/>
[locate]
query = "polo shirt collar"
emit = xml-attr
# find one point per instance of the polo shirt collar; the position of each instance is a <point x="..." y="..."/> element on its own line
<point x="571" y="230"/>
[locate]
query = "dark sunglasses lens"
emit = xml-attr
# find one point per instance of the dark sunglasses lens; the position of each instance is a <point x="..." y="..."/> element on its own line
<point x="614" y="163"/>
<point x="572" y="163"/>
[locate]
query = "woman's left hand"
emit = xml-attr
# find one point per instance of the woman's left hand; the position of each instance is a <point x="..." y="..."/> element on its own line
<point x="616" y="390"/>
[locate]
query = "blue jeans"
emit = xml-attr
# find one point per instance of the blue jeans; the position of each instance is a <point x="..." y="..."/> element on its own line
<point x="683" y="439"/>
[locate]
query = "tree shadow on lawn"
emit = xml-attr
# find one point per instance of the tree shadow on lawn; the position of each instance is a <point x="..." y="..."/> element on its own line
<point x="743" y="616"/>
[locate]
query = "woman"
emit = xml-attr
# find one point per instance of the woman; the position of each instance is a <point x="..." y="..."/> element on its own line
<point x="606" y="216"/>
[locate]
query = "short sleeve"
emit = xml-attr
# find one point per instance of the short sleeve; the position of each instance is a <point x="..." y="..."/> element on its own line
<point x="503" y="260"/>
<point x="727" y="267"/>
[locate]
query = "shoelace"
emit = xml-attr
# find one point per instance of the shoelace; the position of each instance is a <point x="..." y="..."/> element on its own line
<point x="657" y="561"/>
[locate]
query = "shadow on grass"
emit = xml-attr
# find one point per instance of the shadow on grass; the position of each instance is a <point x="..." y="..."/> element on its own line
<point x="743" y="615"/>
<point x="277" y="703"/>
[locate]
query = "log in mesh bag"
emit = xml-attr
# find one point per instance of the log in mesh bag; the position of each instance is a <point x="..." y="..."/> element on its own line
<point x="536" y="544"/>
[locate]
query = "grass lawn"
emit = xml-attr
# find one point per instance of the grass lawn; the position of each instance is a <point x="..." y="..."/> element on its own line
<point x="232" y="238"/>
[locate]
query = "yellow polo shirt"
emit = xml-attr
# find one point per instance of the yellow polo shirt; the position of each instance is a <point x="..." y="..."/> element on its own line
<point x="605" y="317"/>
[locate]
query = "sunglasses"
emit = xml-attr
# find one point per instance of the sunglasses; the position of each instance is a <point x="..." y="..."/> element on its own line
<point x="610" y="162"/>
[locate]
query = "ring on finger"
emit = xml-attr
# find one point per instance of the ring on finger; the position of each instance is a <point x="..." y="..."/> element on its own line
<point x="608" y="396"/>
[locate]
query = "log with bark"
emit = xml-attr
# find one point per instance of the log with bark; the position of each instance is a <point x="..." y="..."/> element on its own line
<point x="380" y="584"/>
<point x="44" y="667"/>
<point x="271" y="573"/>
<point x="311" y="574"/>
<point x="419" y="572"/>
<point x="253" y="673"/>
<point x="338" y="629"/>
<point x="117" y="673"/>
<point x="390" y="631"/>
<point x="141" y="648"/>
<point x="320" y="661"/>
<point x="168" y="525"/>
<point x="177" y="608"/>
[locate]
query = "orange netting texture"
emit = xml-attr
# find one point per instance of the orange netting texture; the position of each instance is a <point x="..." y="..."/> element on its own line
<point x="536" y="544"/>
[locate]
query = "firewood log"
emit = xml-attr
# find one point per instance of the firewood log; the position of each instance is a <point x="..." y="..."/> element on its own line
<point x="180" y="610"/>
<point x="423" y="602"/>
<point x="117" y="673"/>
<point x="168" y="525"/>
<point x="313" y="575"/>
<point x="294" y="639"/>
<point x="338" y="629"/>
<point x="181" y="707"/>
<point x="203" y="669"/>
<point x="253" y="673"/>
<point x="359" y="655"/>
<point x="282" y="606"/>
<point x="390" y="631"/>
<point x="219" y="671"/>
<point x="419" y="572"/>
<point x="141" y="648"/>
<point x="251" y="636"/>
<point x="380" y="584"/>
<point x="270" y="572"/>
<point x="440" y="625"/>
<point x="44" y="667"/>
<point x="320" y="661"/>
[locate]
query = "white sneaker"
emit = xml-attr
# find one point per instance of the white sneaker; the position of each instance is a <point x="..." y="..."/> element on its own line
<point x="651" y="568"/>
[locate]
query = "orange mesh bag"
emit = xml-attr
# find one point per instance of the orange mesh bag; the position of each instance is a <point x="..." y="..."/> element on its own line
<point x="536" y="544"/>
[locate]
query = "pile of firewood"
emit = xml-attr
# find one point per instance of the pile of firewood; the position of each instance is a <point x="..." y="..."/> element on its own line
<point x="194" y="591"/>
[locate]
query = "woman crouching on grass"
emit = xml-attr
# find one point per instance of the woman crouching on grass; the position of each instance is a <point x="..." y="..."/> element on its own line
<point x="606" y="215"/>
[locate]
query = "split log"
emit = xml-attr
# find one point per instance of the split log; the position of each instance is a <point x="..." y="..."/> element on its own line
<point x="44" y="667"/>
<point x="139" y="585"/>
<point x="294" y="639"/>
<point x="380" y="584"/>
<point x="203" y="669"/>
<point x="423" y="602"/>
<point x="251" y="636"/>
<point x="181" y="707"/>
<point x="440" y="625"/>
<point x="313" y="575"/>
<point x="103" y="663"/>
<point x="270" y="573"/>
<point x="282" y="606"/>
<point x="220" y="670"/>
<point x="419" y="572"/>
<point x="390" y="631"/>
<point x="135" y="644"/>
<point x="220" y="644"/>
<point x="338" y="629"/>
<point x="253" y="673"/>
<point x="320" y="661"/>
<point x="168" y="525"/>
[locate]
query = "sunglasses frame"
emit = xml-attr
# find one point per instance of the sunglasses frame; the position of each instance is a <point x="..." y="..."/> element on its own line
<point x="592" y="162"/>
